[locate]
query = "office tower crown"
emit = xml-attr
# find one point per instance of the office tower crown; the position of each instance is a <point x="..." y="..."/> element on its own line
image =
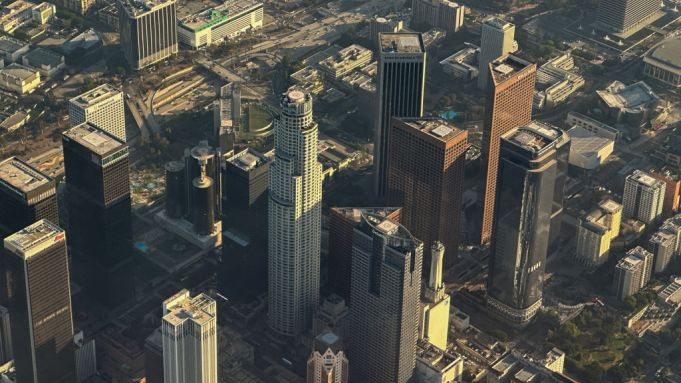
<point x="396" y="43"/>
<point x="34" y="239"/>
<point x="506" y="66"/>
<point x="106" y="148"/>
<point x="534" y="139"/>
<point x="26" y="182"/>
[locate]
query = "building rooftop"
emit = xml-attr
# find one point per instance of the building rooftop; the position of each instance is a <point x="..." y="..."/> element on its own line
<point x="534" y="137"/>
<point x="355" y="213"/>
<point x="588" y="144"/>
<point x="610" y="206"/>
<point x="21" y="176"/>
<point x="95" y="139"/>
<point x="662" y="238"/>
<point x="248" y="159"/>
<point x="643" y="178"/>
<point x="498" y="23"/>
<point x="635" y="96"/>
<point x="345" y="57"/>
<point x="198" y="15"/>
<point x="672" y="292"/>
<point x="19" y="72"/>
<point x="506" y="66"/>
<point x="10" y="44"/>
<point x="30" y="240"/>
<point x="182" y="307"/>
<point x="401" y="42"/>
<point x="640" y="252"/>
<point x="95" y="96"/>
<point x="440" y="129"/>
<point x="434" y="357"/>
<point x="136" y="8"/>
<point x="41" y="56"/>
<point x="504" y="364"/>
<point x="666" y="54"/>
<point x="629" y="262"/>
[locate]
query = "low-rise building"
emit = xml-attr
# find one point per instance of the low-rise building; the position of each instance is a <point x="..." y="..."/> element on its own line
<point x="462" y="64"/>
<point x="215" y="24"/>
<point x="434" y="365"/>
<point x="45" y="61"/>
<point x="12" y="49"/>
<point x="663" y="62"/>
<point x="592" y="125"/>
<point x="19" y="79"/>
<point x="13" y="122"/>
<point x="43" y="12"/>
<point x="596" y="231"/>
<point x="346" y="60"/>
<point x="517" y="368"/>
<point x="556" y="81"/>
<point x="309" y="78"/>
<point x="14" y="15"/>
<point x="630" y="105"/>
<point x="587" y="150"/>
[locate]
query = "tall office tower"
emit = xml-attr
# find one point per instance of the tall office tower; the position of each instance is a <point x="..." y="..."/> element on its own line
<point x="626" y="16"/>
<point x="342" y="224"/>
<point x="102" y="106"/>
<point x="508" y="105"/>
<point x="444" y="14"/>
<point x="190" y="346"/>
<point x="295" y="210"/>
<point x="528" y="174"/>
<point x="643" y="197"/>
<point x="628" y="276"/>
<point x="672" y="189"/>
<point x="40" y="304"/>
<point x="246" y="178"/>
<point x="148" y="31"/>
<point x="6" y="353"/>
<point x="595" y="232"/>
<point x="497" y="40"/>
<point x="333" y="314"/>
<point x="198" y="160"/>
<point x="434" y="320"/>
<point x="648" y="261"/>
<point x="426" y="161"/>
<point x="379" y="25"/>
<point x="663" y="246"/>
<point x="562" y="156"/>
<point x="96" y="166"/>
<point x="327" y="363"/>
<point x="401" y="79"/>
<point x="386" y="290"/>
<point x="227" y="117"/>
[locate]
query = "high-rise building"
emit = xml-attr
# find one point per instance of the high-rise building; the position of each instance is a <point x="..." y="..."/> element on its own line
<point x="401" y="79"/>
<point x="6" y="353"/>
<point x="426" y="163"/>
<point x="386" y="290"/>
<point x="98" y="202"/>
<point x="379" y="25"/>
<point x="333" y="314"/>
<point x="625" y="16"/>
<point x="295" y="209"/>
<point x="643" y="197"/>
<point x="148" y="31"/>
<point x="663" y="246"/>
<point x="444" y="14"/>
<point x="508" y="105"/>
<point x="672" y="192"/>
<point x="103" y="107"/>
<point x="190" y="346"/>
<point x="40" y="304"/>
<point x="434" y="320"/>
<point x="528" y="174"/>
<point x="628" y="276"/>
<point x="342" y="224"/>
<point x="227" y="117"/>
<point x="246" y="178"/>
<point x="327" y="363"/>
<point x="595" y="232"/>
<point x="497" y="40"/>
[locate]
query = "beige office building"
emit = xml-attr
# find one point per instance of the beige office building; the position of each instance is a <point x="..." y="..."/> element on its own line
<point x="148" y="31"/>
<point x="102" y="106"/>
<point x="497" y="40"/>
<point x="595" y="232"/>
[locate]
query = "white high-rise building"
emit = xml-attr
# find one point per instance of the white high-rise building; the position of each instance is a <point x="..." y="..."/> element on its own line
<point x="189" y="339"/>
<point x="327" y="363"/>
<point x="434" y="319"/>
<point x="497" y="40"/>
<point x="294" y="217"/>
<point x="102" y="106"/>
<point x="643" y="197"/>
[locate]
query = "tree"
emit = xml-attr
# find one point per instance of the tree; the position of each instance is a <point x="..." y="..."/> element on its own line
<point x="499" y="334"/>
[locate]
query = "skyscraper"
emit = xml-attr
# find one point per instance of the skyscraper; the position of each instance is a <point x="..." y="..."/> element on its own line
<point x="496" y="41"/>
<point x="426" y="160"/>
<point x="148" y="31"/>
<point x="40" y="304"/>
<point x="596" y="231"/>
<point x="227" y="117"/>
<point x="527" y="178"/>
<point x="632" y="272"/>
<point x="434" y="320"/>
<point x="342" y="224"/>
<point x="508" y="105"/>
<point x="663" y="247"/>
<point x="625" y="16"/>
<point x="401" y="79"/>
<point x="190" y="346"/>
<point x="294" y="217"/>
<point x="103" y="107"/>
<point x="444" y="14"/>
<point x="98" y="202"/>
<point x="386" y="289"/>
<point x="643" y="197"/>
<point x="327" y="363"/>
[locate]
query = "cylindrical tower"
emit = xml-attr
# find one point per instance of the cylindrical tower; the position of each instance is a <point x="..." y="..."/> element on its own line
<point x="211" y="157"/>
<point x="203" y="218"/>
<point x="175" y="189"/>
<point x="294" y="217"/>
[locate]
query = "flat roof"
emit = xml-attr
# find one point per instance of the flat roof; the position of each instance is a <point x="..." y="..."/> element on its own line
<point x="30" y="240"/>
<point x="19" y="71"/>
<point x="662" y="237"/>
<point x="11" y="44"/>
<point x="498" y="23"/>
<point x="42" y="56"/>
<point x="534" y="137"/>
<point x="629" y="262"/>
<point x="667" y="53"/>
<point x="584" y="141"/>
<point x="437" y="128"/>
<point x="401" y="42"/>
<point x="96" y="95"/>
<point x="182" y="307"/>
<point x="645" y="179"/>
<point x="95" y="139"/>
<point x="636" y="95"/>
<point x="140" y="7"/>
<point x="198" y="15"/>
<point x="507" y="65"/>
<point x="19" y="175"/>
<point x="248" y="159"/>
<point x="346" y="55"/>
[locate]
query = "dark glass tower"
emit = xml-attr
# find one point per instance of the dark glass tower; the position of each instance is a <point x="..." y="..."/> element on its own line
<point x="148" y="31"/>
<point x="98" y="204"/>
<point x="527" y="178"/>
<point x="401" y="78"/>
<point x="386" y="292"/>
<point x="40" y="304"/>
